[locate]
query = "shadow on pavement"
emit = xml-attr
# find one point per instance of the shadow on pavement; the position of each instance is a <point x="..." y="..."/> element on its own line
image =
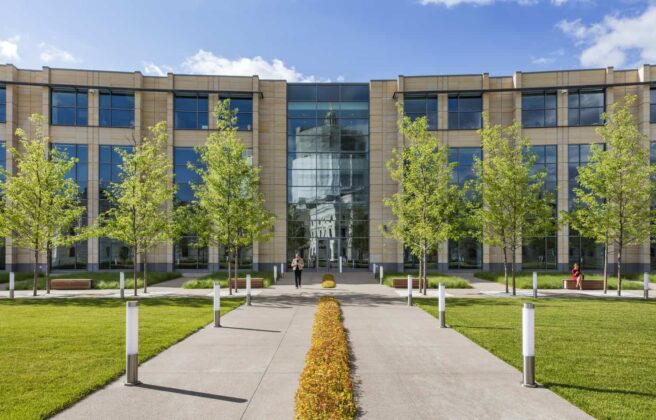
<point x="192" y="393"/>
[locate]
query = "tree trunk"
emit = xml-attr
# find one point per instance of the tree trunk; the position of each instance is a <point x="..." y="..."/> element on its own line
<point x="36" y="272"/>
<point x="505" y="266"/>
<point x="229" y="273"/>
<point x="420" y="272"/>
<point x="512" y="270"/>
<point x="606" y="265"/>
<point x="145" y="271"/>
<point x="48" y="267"/>
<point x="236" y="268"/>
<point x="134" y="268"/>
<point x="619" y="271"/>
<point x="424" y="275"/>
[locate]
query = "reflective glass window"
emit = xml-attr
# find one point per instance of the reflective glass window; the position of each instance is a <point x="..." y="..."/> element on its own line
<point x="586" y="107"/>
<point x="116" y="108"/>
<point x="3" y="104"/>
<point x="539" y="109"/>
<point x="652" y="106"/>
<point x="244" y="107"/>
<point x="69" y="107"/>
<point x="465" y="111"/>
<point x="421" y="106"/>
<point x="191" y="111"/>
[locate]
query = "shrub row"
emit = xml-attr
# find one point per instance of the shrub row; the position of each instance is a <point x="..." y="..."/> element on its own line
<point x="325" y="389"/>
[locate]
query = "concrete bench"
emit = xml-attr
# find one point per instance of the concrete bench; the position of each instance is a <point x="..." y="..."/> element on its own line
<point x="70" y="284"/>
<point x="587" y="284"/>
<point x="256" y="283"/>
<point x="402" y="283"/>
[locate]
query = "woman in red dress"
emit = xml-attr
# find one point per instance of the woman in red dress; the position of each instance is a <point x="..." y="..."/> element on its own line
<point x="577" y="275"/>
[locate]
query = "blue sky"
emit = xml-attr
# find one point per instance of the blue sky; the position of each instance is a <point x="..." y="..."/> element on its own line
<point x="336" y="40"/>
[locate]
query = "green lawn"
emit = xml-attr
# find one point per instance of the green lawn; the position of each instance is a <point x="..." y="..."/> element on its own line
<point x="450" y="282"/>
<point x="597" y="353"/>
<point x="101" y="279"/>
<point x="56" y="351"/>
<point x="524" y="280"/>
<point x="207" y="281"/>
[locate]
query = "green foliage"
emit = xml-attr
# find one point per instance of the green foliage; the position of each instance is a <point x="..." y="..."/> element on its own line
<point x="207" y="281"/>
<point x="57" y="351"/>
<point x="552" y="280"/>
<point x="613" y="202"/>
<point x="434" y="280"/>
<point x="596" y="353"/>
<point x="41" y="205"/>
<point x="508" y="201"/>
<point x="103" y="279"/>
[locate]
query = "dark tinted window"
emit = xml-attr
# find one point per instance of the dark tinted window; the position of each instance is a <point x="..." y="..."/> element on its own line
<point x="539" y="109"/>
<point x="184" y="176"/>
<point x="191" y="111"/>
<point x="465" y="111"/>
<point x="422" y="106"/>
<point x="116" y="109"/>
<point x="244" y="113"/>
<point x="69" y="107"/>
<point x="586" y="107"/>
<point x="652" y="106"/>
<point x="3" y="104"/>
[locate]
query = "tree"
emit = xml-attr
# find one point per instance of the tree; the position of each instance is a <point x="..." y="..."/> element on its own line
<point x="229" y="196"/>
<point x="140" y="213"/>
<point x="615" y="187"/>
<point x="427" y="205"/>
<point x="508" y="200"/>
<point x="41" y="203"/>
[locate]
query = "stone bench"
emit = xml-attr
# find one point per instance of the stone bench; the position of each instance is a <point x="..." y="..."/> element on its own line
<point x="402" y="283"/>
<point x="587" y="284"/>
<point x="70" y="284"/>
<point x="256" y="283"/>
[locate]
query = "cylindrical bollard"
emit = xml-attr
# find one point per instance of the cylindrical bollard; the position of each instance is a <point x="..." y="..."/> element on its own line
<point x="381" y="274"/>
<point x="121" y="284"/>
<point x="442" y="308"/>
<point x="340" y="264"/>
<point x="248" y="289"/>
<point x="275" y="274"/>
<point x="132" y="343"/>
<point x="374" y="270"/>
<point x="282" y="270"/>
<point x="12" y="285"/>
<point x="646" y="285"/>
<point x="528" y="344"/>
<point x="409" y="290"/>
<point x="535" y="285"/>
<point x="217" y="304"/>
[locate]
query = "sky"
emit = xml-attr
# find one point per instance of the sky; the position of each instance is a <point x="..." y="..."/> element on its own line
<point x="337" y="40"/>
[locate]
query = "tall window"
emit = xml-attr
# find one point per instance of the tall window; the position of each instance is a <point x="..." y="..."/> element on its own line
<point x="112" y="254"/>
<point x="581" y="249"/>
<point x="191" y="111"/>
<point x="3" y="104"/>
<point x="421" y="106"/>
<point x="542" y="252"/>
<point x="187" y="254"/>
<point x="116" y="108"/>
<point x="586" y="106"/>
<point x="465" y="111"/>
<point x="74" y="256"/>
<point x="466" y="252"/>
<point x="539" y="109"/>
<point x="244" y="113"/>
<point x="69" y="107"/>
<point x="652" y="105"/>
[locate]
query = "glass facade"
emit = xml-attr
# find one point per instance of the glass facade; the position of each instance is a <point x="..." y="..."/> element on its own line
<point x="652" y="105"/>
<point x="586" y="106"/>
<point x="585" y="251"/>
<point x="112" y="254"/>
<point x="465" y="111"/>
<point x="187" y="254"/>
<point x="542" y="252"/>
<point x="191" y="111"/>
<point x="74" y="256"/>
<point x="244" y="107"/>
<point x="116" y="108"/>
<point x="539" y="109"/>
<point x="421" y="106"/>
<point x="411" y="262"/>
<point x="3" y="104"/>
<point x="69" y="107"/>
<point x="466" y="252"/>
<point x="328" y="174"/>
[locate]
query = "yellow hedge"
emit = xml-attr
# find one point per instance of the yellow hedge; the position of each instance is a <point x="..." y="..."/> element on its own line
<point x="328" y="284"/>
<point x="325" y="390"/>
<point x="328" y="276"/>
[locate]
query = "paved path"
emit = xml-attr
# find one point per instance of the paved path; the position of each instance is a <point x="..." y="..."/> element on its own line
<point x="405" y="366"/>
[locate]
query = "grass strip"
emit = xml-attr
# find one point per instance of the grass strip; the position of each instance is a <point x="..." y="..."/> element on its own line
<point x="524" y="280"/>
<point x="99" y="279"/>
<point x="207" y="281"/>
<point x="450" y="282"/>
<point x="325" y="390"/>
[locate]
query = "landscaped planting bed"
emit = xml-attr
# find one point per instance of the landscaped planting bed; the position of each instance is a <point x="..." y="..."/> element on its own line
<point x="207" y="281"/>
<point x="325" y="390"/>
<point x="524" y="280"/>
<point x="99" y="279"/>
<point x="450" y="282"/>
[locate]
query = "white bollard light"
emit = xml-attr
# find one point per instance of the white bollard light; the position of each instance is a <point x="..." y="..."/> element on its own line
<point x="275" y="274"/>
<point x="442" y="300"/>
<point x="12" y="285"/>
<point x="217" y="304"/>
<point x="340" y="264"/>
<point x="132" y="342"/>
<point x="535" y="285"/>
<point x="373" y="271"/>
<point x="282" y="270"/>
<point x="528" y="344"/>
<point x="248" y="289"/>
<point x="121" y="284"/>
<point x="381" y="274"/>
<point x="646" y="285"/>
<point x="409" y="290"/>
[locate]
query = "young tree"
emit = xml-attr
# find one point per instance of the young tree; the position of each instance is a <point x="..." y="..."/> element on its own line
<point x="229" y="196"/>
<point x="616" y="189"/>
<point x="427" y="205"/>
<point x="41" y="203"/>
<point x="141" y="214"/>
<point x="509" y="201"/>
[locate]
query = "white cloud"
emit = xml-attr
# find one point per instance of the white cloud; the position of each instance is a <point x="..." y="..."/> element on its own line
<point x="549" y="58"/>
<point x="9" y="48"/>
<point x="615" y="40"/>
<point x="153" y="69"/>
<point x="205" y="62"/>
<point x="50" y="53"/>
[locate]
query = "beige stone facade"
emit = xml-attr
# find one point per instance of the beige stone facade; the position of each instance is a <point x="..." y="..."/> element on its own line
<point x="29" y="91"/>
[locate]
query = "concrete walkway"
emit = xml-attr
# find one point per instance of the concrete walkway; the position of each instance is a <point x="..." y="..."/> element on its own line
<point x="405" y="366"/>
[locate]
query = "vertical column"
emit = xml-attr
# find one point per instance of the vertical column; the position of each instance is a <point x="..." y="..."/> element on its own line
<point x="487" y="249"/>
<point x="517" y="116"/>
<point x="256" y="153"/>
<point x="93" y="189"/>
<point x="644" y="120"/>
<point x="563" y="176"/>
<point x="170" y="147"/>
<point x="12" y="92"/>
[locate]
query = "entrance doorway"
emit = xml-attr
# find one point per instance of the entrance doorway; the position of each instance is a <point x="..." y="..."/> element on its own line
<point x="328" y="254"/>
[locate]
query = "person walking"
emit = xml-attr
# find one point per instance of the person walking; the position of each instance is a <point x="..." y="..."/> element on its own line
<point x="578" y="276"/>
<point x="297" y="266"/>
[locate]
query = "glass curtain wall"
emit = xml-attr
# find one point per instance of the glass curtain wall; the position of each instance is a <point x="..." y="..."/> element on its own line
<point x="466" y="253"/>
<point x="328" y="174"/>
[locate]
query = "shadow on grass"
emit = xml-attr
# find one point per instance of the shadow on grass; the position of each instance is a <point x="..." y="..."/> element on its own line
<point x="192" y="393"/>
<point x="604" y="390"/>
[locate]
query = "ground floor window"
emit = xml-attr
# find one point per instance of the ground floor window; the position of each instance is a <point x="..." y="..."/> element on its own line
<point x="114" y="254"/>
<point x="540" y="253"/>
<point x="74" y="257"/>
<point x="188" y="255"/>
<point x="3" y="254"/>
<point x="652" y="254"/>
<point x="586" y="252"/>
<point x="412" y="262"/>
<point x="245" y="258"/>
<point x="466" y="253"/>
